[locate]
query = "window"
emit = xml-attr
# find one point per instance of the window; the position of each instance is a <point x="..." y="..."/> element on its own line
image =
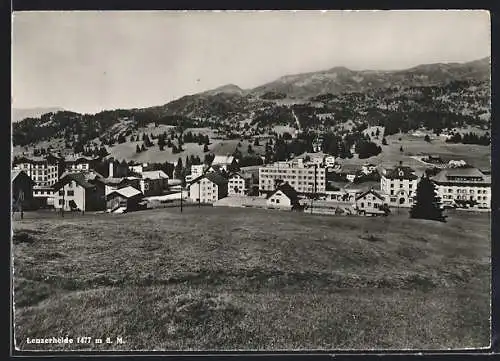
<point x="369" y="204"/>
<point x="272" y="200"/>
<point x="401" y="185"/>
<point x="61" y="192"/>
<point x="70" y="193"/>
<point x="410" y="186"/>
<point x="392" y="192"/>
<point x="277" y="200"/>
<point x="60" y="202"/>
<point x="392" y="185"/>
<point x="393" y="200"/>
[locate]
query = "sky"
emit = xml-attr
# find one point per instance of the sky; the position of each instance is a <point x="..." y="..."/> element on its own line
<point x="92" y="61"/>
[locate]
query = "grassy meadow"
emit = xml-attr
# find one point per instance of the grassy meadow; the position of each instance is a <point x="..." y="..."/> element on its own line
<point x="249" y="279"/>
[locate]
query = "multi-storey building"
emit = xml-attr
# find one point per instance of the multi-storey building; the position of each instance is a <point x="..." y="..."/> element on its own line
<point x="467" y="186"/>
<point x="208" y="188"/>
<point x="83" y="191"/>
<point x="238" y="184"/>
<point x="44" y="171"/>
<point x="399" y="184"/>
<point x="303" y="177"/>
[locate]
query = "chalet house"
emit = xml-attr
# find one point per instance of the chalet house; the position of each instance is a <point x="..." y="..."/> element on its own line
<point x="208" y="188"/>
<point x="22" y="190"/>
<point x="468" y="187"/>
<point x="226" y="162"/>
<point x="81" y="191"/>
<point x="368" y="168"/>
<point x="137" y="168"/>
<point x="153" y="182"/>
<point x="127" y="198"/>
<point x="77" y="163"/>
<point x="238" y="184"/>
<point x="370" y="203"/>
<point x="284" y="197"/>
<point x="400" y="184"/>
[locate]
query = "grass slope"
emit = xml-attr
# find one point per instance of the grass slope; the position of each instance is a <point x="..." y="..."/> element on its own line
<point x="216" y="278"/>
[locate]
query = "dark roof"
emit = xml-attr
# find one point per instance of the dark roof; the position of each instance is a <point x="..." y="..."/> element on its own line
<point x="216" y="178"/>
<point x="447" y="175"/>
<point x="79" y="178"/>
<point x="16" y="173"/>
<point x="287" y="190"/>
<point x="400" y="172"/>
<point x="50" y="158"/>
<point x="372" y="192"/>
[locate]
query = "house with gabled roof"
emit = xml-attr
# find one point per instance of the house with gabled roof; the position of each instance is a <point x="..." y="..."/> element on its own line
<point x="284" y="197"/>
<point x="370" y="203"/>
<point x="239" y="183"/>
<point x="128" y="198"/>
<point x="226" y="162"/>
<point x="208" y="188"/>
<point x="81" y="191"/>
<point x="153" y="182"/>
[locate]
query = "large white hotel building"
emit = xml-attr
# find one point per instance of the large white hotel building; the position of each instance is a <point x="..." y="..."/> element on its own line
<point x="303" y="177"/>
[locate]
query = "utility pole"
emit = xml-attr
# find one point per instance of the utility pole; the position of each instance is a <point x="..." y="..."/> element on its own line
<point x="181" y="198"/>
<point x="199" y="194"/>
<point x="64" y="203"/>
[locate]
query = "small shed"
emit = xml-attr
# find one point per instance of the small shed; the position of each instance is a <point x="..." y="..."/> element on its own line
<point x="127" y="197"/>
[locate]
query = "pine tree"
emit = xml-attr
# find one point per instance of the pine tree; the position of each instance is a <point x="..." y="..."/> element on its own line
<point x="427" y="204"/>
<point x="161" y="142"/>
<point x="178" y="169"/>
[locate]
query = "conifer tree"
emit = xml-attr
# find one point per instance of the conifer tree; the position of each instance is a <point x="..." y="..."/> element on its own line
<point x="427" y="204"/>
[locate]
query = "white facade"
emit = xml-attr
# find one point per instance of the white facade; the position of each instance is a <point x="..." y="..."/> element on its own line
<point x="204" y="191"/>
<point x="78" y="167"/>
<point x="71" y="191"/>
<point x="237" y="185"/>
<point x="304" y="179"/>
<point x="330" y="161"/>
<point x="480" y="194"/>
<point x="279" y="200"/>
<point x="463" y="185"/>
<point x="43" y="174"/>
<point x="368" y="168"/>
<point x="197" y="170"/>
<point x="399" y="189"/>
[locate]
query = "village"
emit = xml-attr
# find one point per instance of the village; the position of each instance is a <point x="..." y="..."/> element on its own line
<point x="312" y="182"/>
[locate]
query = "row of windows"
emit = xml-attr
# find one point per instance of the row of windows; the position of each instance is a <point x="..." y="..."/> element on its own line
<point x="292" y="171"/>
<point x="290" y="177"/>
<point x="459" y="190"/>
<point x="401" y="185"/>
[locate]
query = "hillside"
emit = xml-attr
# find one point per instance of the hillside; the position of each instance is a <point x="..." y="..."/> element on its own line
<point x="23" y="113"/>
<point x="434" y="96"/>
<point x="249" y="279"/>
<point x="341" y="79"/>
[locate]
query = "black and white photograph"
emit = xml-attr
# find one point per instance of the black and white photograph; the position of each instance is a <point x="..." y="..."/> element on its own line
<point x="251" y="180"/>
